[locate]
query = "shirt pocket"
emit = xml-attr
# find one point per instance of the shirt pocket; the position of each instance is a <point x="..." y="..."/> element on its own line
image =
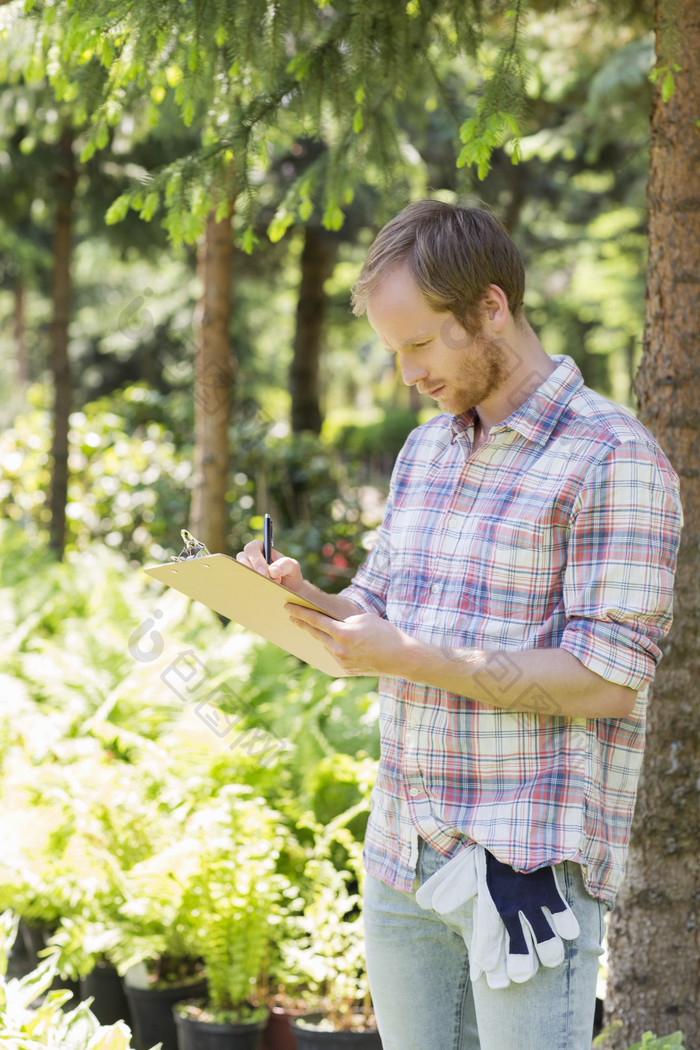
<point x="522" y="562"/>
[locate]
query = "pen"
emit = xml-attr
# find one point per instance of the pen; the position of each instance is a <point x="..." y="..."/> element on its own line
<point x="267" y="538"/>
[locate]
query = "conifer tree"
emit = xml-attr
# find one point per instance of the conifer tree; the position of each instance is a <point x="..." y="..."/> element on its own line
<point x="249" y="77"/>
<point x="55" y="140"/>
<point x="316" y="265"/>
<point x="253" y="75"/>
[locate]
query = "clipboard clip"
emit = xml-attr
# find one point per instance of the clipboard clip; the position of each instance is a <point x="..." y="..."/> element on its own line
<point x="193" y="548"/>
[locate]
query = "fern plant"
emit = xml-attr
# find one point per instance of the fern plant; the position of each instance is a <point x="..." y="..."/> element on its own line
<point x="328" y="954"/>
<point x="77" y="826"/>
<point x="238" y="903"/>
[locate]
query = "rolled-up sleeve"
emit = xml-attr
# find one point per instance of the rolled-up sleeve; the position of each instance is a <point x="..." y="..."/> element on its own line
<point x="370" y="584"/>
<point x="618" y="585"/>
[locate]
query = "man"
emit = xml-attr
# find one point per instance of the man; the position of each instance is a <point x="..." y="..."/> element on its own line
<point x="512" y="607"/>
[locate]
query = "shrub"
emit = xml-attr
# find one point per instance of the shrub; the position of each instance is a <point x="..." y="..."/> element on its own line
<point x="131" y="477"/>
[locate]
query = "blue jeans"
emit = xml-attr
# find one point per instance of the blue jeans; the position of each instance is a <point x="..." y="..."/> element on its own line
<point x="418" y="970"/>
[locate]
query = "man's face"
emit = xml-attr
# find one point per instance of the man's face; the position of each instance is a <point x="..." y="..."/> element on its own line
<point x="436" y="354"/>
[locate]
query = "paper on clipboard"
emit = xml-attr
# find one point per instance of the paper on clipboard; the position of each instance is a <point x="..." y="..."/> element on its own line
<point x="250" y="599"/>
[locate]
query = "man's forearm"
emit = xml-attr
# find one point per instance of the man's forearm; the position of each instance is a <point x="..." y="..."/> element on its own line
<point x="531" y="681"/>
<point x="537" y="681"/>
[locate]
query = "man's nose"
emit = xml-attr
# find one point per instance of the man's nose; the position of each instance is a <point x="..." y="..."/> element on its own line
<point x="412" y="371"/>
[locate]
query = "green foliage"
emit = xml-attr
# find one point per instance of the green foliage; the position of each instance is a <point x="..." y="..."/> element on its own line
<point x="9" y="925"/>
<point x="668" y="50"/>
<point x="328" y="956"/>
<point x="315" y="509"/>
<point x="130" y="490"/>
<point x="651" y="1042"/>
<point x="337" y="784"/>
<point x="584" y="130"/>
<point x="500" y="111"/>
<point x="648" y="1041"/>
<point x="237" y="900"/>
<point x="128" y="907"/>
<point x="322" y="716"/>
<point x="253" y="80"/>
<point x="385" y="436"/>
<point x="32" y="1017"/>
<point x="134" y="830"/>
<point x="579" y="213"/>
<point x="666" y="76"/>
<point x="131" y="477"/>
<point x="81" y="826"/>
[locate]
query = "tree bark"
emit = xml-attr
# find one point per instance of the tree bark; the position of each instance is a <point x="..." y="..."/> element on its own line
<point x="61" y="297"/>
<point x="654" y="931"/>
<point x="22" y="357"/>
<point x="214" y="376"/>
<point x="317" y="262"/>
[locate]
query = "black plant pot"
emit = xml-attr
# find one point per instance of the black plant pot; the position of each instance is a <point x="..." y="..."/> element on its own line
<point x="31" y="940"/>
<point x="109" y="1003"/>
<point x="59" y="984"/>
<point x="317" y="1039"/>
<point x="152" y="1012"/>
<point x="34" y="939"/>
<point x="18" y="959"/>
<point x="203" y="1035"/>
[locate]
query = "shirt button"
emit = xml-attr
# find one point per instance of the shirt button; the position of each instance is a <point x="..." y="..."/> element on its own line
<point x="415" y="792"/>
<point x="436" y="588"/>
<point x="453" y="522"/>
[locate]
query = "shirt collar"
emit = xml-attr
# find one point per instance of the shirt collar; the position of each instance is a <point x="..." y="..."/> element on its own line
<point x="537" y="417"/>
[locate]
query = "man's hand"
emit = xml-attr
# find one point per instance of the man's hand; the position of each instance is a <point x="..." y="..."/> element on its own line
<point x="363" y="644"/>
<point x="282" y="569"/>
<point x="287" y="571"/>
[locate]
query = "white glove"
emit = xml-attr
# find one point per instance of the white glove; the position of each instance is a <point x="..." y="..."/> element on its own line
<point x="451" y="885"/>
<point x="519" y="922"/>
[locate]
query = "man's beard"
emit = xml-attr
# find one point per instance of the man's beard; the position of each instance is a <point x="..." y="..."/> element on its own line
<point x="491" y="363"/>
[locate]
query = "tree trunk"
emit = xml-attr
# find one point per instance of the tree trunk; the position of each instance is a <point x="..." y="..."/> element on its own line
<point x="317" y="262"/>
<point x="61" y="296"/>
<point x="22" y="356"/>
<point x="213" y="383"/>
<point x="654" y="933"/>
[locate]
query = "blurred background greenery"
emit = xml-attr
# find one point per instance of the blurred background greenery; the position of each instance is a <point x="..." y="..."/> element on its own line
<point x="574" y="203"/>
<point x="108" y="253"/>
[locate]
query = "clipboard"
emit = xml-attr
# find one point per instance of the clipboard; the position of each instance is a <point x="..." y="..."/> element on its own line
<point x="250" y="599"/>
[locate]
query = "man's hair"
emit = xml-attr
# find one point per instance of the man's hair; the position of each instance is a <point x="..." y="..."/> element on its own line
<point x="453" y="252"/>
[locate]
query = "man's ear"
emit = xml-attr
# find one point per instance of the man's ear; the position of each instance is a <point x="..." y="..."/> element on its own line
<point x="495" y="309"/>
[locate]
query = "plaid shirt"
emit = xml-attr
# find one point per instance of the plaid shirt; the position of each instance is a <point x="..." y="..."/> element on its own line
<point x="560" y="531"/>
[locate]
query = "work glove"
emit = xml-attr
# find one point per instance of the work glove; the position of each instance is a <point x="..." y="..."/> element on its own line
<point x="452" y="885"/>
<point x="519" y="922"/>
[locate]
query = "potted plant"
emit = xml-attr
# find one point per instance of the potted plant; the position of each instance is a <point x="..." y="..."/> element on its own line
<point x="239" y="902"/>
<point x="32" y="1014"/>
<point x="89" y="929"/>
<point x="153" y="946"/>
<point x="125" y="936"/>
<point x="82" y="947"/>
<point x="39" y="890"/>
<point x="329" y="955"/>
<point x="102" y="861"/>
